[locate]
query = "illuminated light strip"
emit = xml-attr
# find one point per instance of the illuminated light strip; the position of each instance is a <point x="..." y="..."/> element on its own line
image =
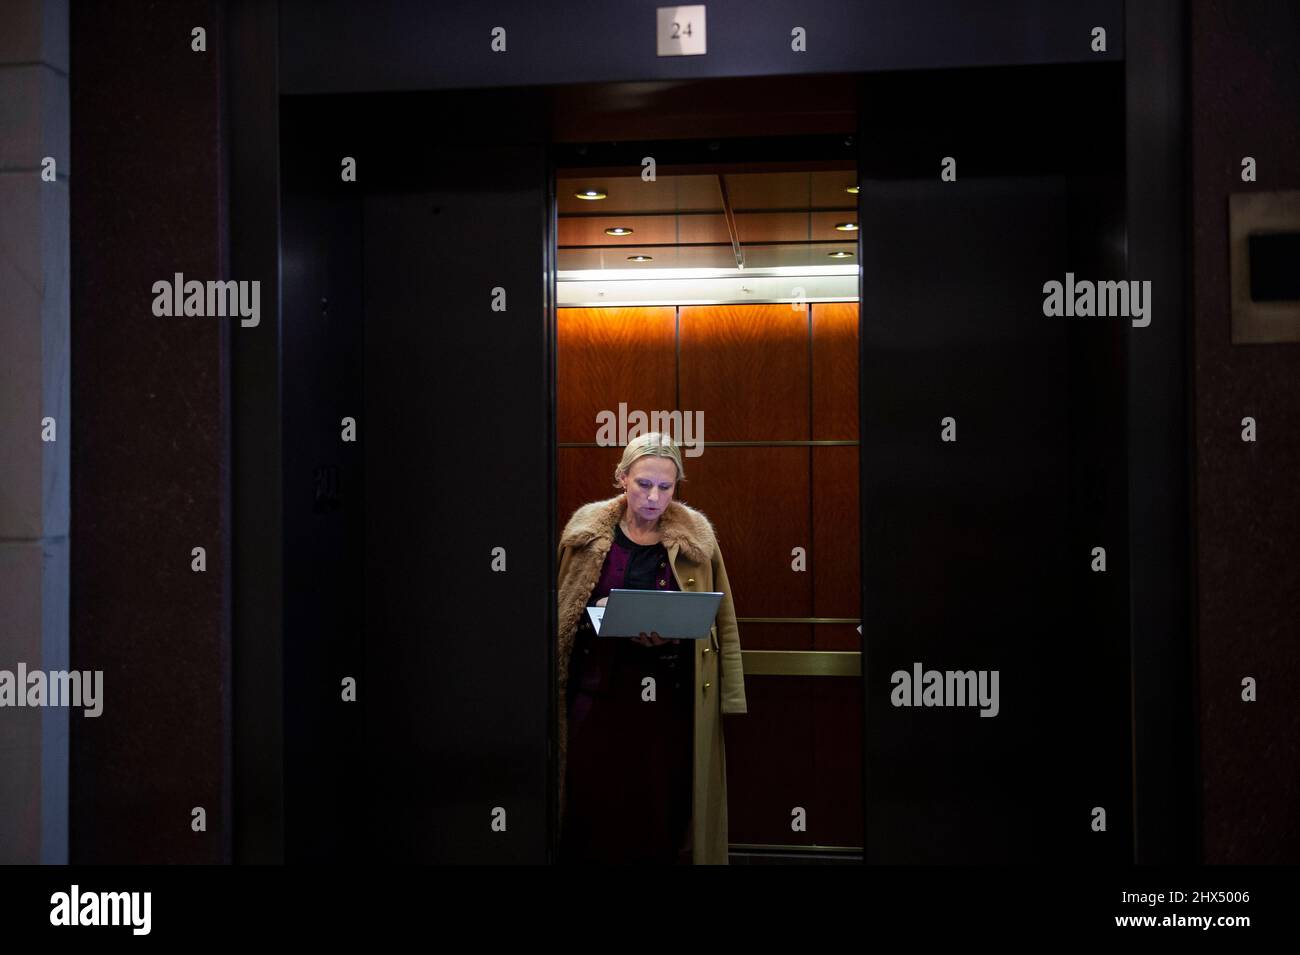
<point x="655" y="275"/>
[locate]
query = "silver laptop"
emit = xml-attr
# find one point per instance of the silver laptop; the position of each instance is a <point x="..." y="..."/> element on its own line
<point x="673" y="614"/>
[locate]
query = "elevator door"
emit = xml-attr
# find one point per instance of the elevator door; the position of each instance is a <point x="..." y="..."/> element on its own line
<point x="993" y="472"/>
<point x="441" y="420"/>
<point x="459" y="464"/>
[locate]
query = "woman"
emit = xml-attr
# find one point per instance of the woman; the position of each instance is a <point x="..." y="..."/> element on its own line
<point x="640" y="780"/>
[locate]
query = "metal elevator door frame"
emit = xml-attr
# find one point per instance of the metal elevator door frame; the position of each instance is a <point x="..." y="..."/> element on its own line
<point x="1155" y="227"/>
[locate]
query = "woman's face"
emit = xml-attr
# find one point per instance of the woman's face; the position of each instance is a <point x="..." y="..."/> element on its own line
<point x="649" y="486"/>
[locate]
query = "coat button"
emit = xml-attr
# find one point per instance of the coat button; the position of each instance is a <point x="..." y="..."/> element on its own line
<point x="662" y="582"/>
<point x="707" y="685"/>
<point x="690" y="580"/>
<point x="708" y="649"/>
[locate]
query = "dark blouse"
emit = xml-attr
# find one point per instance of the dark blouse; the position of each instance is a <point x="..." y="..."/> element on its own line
<point x="647" y="564"/>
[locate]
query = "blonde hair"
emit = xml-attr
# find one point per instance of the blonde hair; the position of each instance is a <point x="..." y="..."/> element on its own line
<point x="654" y="443"/>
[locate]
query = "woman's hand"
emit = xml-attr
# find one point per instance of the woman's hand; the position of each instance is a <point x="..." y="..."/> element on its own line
<point x="653" y="639"/>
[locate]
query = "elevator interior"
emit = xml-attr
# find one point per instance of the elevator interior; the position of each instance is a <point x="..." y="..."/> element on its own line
<point x="723" y="285"/>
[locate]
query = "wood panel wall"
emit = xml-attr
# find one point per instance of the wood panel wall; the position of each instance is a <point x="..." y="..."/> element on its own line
<point x="764" y="375"/>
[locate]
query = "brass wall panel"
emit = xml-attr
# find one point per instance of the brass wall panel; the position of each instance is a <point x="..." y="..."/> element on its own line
<point x="801" y="663"/>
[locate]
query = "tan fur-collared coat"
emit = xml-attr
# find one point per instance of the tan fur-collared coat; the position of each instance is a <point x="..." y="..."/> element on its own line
<point x="697" y="565"/>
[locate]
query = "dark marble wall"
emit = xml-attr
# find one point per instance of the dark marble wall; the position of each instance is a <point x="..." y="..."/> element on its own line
<point x="150" y="436"/>
<point x="1245" y="101"/>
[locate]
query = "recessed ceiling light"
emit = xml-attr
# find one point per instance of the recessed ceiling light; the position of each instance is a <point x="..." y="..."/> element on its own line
<point x="851" y="190"/>
<point x="618" y="230"/>
<point x="590" y="194"/>
<point x="640" y="258"/>
<point x="840" y="255"/>
<point x="846" y="226"/>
